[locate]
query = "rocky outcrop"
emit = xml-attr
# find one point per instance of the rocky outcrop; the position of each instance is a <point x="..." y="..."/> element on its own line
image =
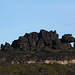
<point x="67" y="38"/>
<point x="43" y="40"/>
<point x="40" y="46"/>
<point x="34" y="41"/>
<point x="7" y="46"/>
<point x="39" y="41"/>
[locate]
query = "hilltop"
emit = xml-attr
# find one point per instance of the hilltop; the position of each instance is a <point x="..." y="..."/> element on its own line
<point x="42" y="46"/>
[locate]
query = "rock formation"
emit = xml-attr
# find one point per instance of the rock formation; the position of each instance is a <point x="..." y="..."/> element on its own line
<point x="42" y="40"/>
<point x="39" y="46"/>
<point x="7" y="46"/>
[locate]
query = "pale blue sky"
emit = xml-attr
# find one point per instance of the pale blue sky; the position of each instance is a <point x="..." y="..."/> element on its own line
<point x="18" y="17"/>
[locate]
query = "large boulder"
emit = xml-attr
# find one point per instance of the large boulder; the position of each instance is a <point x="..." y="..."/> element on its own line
<point x="67" y="38"/>
<point x="7" y="46"/>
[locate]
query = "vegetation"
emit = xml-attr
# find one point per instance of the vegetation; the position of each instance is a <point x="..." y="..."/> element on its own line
<point x="35" y="69"/>
<point x="38" y="69"/>
<point x="23" y="56"/>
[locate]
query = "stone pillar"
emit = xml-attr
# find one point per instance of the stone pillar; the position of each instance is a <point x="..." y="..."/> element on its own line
<point x="2" y="46"/>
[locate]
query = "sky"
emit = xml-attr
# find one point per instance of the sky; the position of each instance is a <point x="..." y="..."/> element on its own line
<point x="18" y="17"/>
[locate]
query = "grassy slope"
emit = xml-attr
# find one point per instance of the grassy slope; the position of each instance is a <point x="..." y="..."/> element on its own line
<point x="38" y="69"/>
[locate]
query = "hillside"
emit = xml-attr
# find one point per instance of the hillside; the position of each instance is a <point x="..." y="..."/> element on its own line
<point x="37" y="69"/>
<point x="39" y="48"/>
